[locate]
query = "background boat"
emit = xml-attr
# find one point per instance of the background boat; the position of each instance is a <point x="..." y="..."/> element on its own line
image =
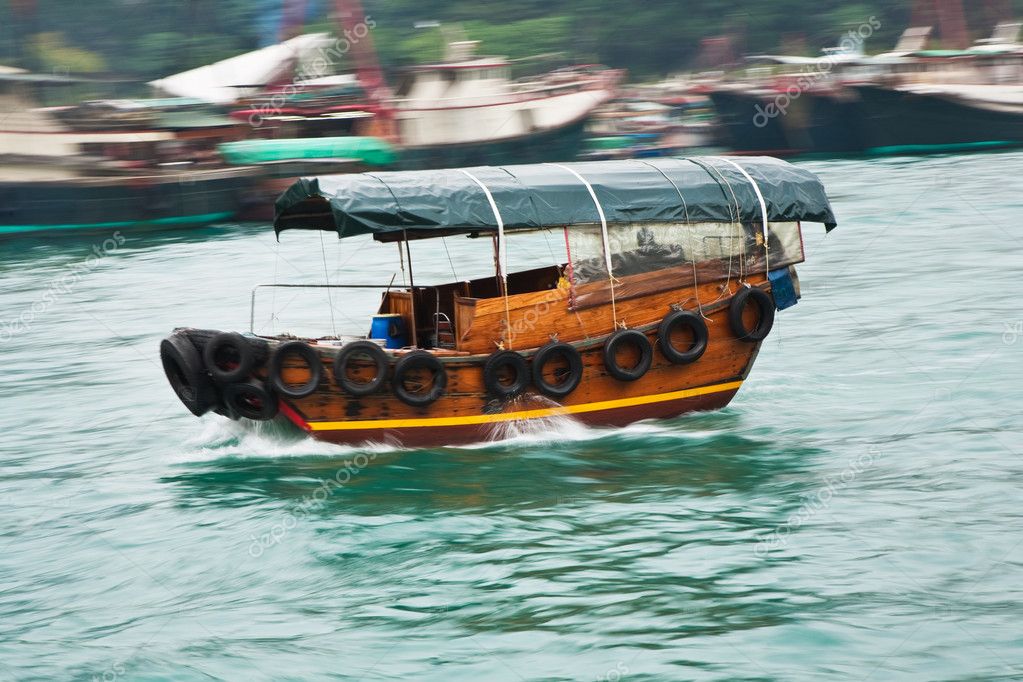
<point x="117" y="164"/>
<point x="467" y="111"/>
<point x="910" y="99"/>
<point x="946" y="117"/>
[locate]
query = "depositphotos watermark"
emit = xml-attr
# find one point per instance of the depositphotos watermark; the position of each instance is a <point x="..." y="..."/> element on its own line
<point x="61" y="285"/>
<point x="1013" y="332"/>
<point x="528" y="321"/>
<point x="111" y="674"/>
<point x="309" y="504"/>
<point x="817" y="502"/>
<point x="851" y="43"/>
<point x="615" y="674"/>
<point x="327" y="57"/>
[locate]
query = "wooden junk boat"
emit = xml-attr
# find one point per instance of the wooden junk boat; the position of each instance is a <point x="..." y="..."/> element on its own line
<point x="671" y="271"/>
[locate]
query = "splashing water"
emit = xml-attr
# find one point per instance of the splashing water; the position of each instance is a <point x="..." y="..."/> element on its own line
<point x="541" y="430"/>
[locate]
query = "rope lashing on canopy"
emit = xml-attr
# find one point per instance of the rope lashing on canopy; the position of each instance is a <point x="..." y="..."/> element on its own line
<point x="763" y="208"/>
<point x="603" y="236"/>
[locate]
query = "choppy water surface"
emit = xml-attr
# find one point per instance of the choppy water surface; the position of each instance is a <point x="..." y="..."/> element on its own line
<point x="855" y="514"/>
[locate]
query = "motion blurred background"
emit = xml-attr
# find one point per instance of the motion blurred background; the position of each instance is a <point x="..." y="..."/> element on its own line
<point x="145" y="40"/>
<point x="142" y="145"/>
<point x="190" y="113"/>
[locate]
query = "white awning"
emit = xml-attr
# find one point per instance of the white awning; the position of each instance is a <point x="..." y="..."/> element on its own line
<point x="227" y="81"/>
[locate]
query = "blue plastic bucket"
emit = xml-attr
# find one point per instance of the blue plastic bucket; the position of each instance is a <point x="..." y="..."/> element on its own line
<point x="391" y="328"/>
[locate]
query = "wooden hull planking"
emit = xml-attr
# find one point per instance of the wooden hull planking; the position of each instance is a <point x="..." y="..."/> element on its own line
<point x="467" y="414"/>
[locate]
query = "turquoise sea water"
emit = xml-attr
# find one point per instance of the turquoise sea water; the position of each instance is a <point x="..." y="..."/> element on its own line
<point x="854" y="514"/>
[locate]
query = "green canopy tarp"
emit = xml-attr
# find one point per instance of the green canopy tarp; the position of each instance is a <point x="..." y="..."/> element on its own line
<point x="431" y="203"/>
<point x="369" y="150"/>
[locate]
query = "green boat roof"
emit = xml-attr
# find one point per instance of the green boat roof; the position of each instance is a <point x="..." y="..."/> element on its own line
<point x="417" y="204"/>
<point x="961" y="53"/>
<point x="370" y="150"/>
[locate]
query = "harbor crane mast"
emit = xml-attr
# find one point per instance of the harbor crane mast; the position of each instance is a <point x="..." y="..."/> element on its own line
<point x="948" y="16"/>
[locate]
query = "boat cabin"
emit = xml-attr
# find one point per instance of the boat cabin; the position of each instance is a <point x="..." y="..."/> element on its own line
<point x="613" y="256"/>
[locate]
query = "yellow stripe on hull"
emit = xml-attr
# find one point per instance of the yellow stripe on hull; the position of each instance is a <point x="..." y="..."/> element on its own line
<point x="525" y="414"/>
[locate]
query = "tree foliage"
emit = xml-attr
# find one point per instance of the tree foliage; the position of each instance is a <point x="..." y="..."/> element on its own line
<point x="147" y="39"/>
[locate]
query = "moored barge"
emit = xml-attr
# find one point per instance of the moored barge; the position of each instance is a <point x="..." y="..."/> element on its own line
<point x="667" y="283"/>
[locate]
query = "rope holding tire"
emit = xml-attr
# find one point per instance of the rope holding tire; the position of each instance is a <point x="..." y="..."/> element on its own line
<point x="312" y="361"/>
<point x="419" y="360"/>
<point x="626" y="337"/>
<point x="575" y="369"/>
<point x="250" y="399"/>
<point x="505" y="361"/>
<point x="765" y="308"/>
<point x="346" y="354"/>
<point x="678" y="320"/>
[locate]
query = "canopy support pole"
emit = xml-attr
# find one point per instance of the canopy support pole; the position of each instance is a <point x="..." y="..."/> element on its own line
<point x="763" y="209"/>
<point x="603" y="236"/>
<point x="502" y="256"/>
<point x="411" y="289"/>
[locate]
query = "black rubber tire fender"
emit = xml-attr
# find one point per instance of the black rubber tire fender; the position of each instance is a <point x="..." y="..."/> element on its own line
<point x="238" y="347"/>
<point x="575" y="369"/>
<point x="312" y="360"/>
<point x="640" y="341"/>
<point x="506" y="359"/>
<point x="765" y="305"/>
<point x="682" y="319"/>
<point x="376" y="354"/>
<point x="250" y="399"/>
<point x="182" y="364"/>
<point x="419" y="359"/>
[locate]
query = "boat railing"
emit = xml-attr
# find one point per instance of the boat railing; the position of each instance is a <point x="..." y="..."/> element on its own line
<point x="380" y="287"/>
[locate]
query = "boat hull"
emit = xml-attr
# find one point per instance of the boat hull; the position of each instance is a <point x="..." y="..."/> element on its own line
<point x="824" y="122"/>
<point x="747" y="129"/>
<point x="106" y="203"/>
<point x="468" y="413"/>
<point x="897" y="121"/>
<point x="440" y="431"/>
<point x="834" y="122"/>
<point x="558" y="144"/>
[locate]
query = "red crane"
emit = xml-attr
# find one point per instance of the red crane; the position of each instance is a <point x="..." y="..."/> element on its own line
<point x="354" y="36"/>
<point x="292" y="19"/>
<point x="948" y="17"/>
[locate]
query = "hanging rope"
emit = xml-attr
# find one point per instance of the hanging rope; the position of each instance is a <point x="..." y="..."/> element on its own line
<point x="722" y="182"/>
<point x="502" y="254"/>
<point x="689" y="234"/>
<point x="443" y="240"/>
<point x="401" y="258"/>
<point x="763" y="210"/>
<point x="603" y="236"/>
<point x="273" y="297"/>
<point x="326" y="277"/>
